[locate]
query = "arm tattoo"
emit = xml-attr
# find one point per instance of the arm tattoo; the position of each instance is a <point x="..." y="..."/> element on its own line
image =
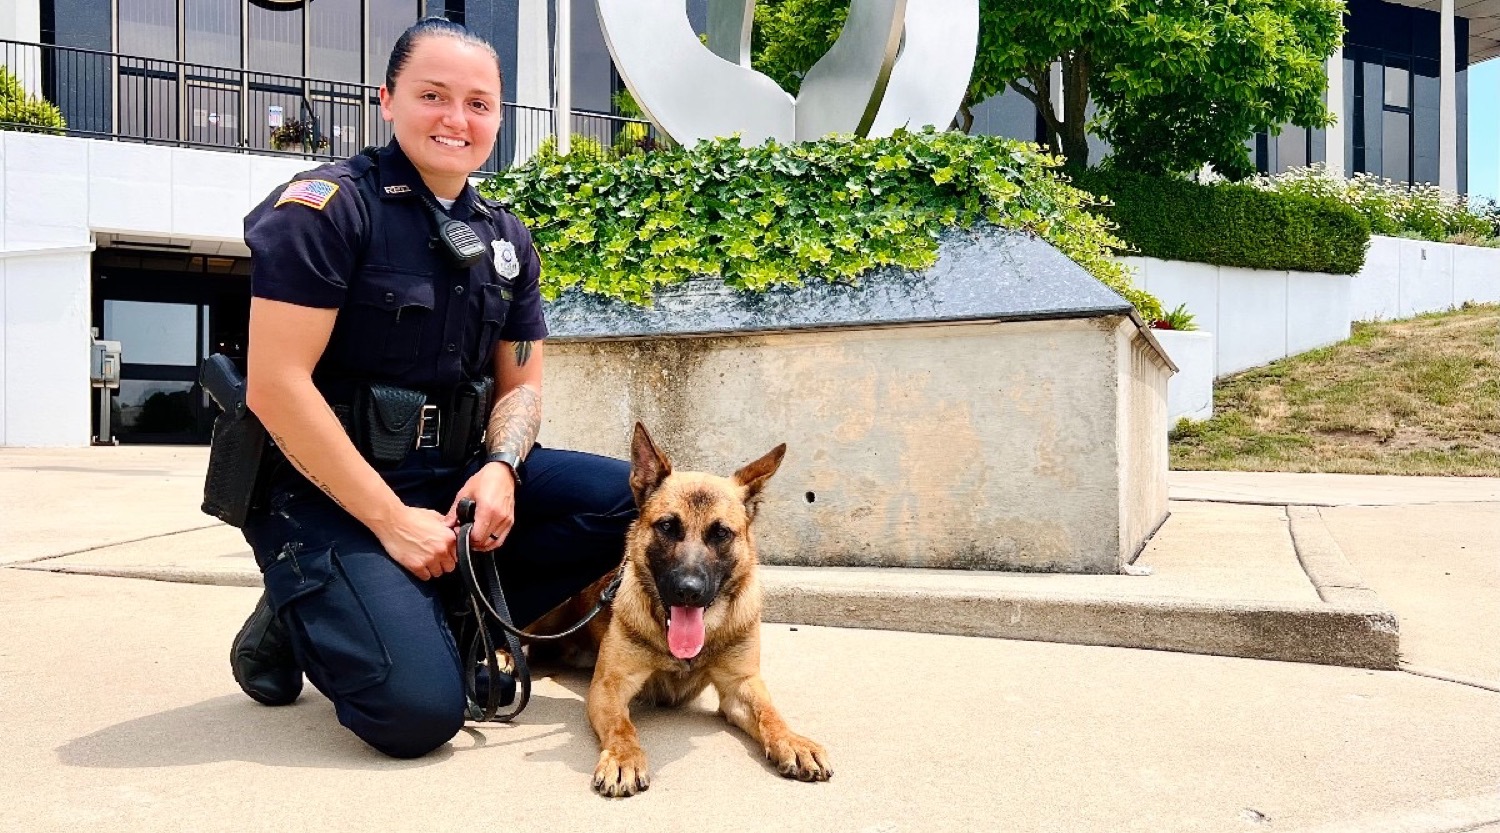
<point x="306" y="472"/>
<point x="515" y="421"/>
<point x="523" y="353"/>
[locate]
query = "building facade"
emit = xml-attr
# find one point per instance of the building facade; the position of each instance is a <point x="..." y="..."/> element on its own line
<point x="128" y="228"/>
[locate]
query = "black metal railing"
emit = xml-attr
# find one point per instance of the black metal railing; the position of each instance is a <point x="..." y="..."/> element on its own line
<point x="106" y="95"/>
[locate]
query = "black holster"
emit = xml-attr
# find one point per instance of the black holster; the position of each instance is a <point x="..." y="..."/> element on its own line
<point x="470" y="413"/>
<point x="236" y="459"/>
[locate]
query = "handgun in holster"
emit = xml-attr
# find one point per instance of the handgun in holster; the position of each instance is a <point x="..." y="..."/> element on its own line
<point x="235" y="459"/>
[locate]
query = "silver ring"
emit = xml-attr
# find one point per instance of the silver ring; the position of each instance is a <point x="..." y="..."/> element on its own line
<point x="494" y="537"/>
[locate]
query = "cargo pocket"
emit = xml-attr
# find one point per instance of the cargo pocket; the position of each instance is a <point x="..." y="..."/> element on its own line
<point x="311" y="591"/>
<point x="391" y="309"/>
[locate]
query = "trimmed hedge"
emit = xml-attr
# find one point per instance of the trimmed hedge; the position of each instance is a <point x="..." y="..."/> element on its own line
<point x="1229" y="224"/>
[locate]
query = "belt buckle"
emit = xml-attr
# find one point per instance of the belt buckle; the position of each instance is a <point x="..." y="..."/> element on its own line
<point x="429" y="425"/>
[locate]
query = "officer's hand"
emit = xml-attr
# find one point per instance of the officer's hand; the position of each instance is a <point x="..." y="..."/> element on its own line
<point x="493" y="490"/>
<point x="420" y="540"/>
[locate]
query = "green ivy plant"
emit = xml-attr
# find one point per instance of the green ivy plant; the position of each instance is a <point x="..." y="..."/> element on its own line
<point x="780" y="214"/>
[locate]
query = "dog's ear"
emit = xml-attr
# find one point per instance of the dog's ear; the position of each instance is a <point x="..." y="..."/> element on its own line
<point x="754" y="475"/>
<point x="648" y="466"/>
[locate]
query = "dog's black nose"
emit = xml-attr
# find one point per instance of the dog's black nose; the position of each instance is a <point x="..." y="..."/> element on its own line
<point x="691" y="590"/>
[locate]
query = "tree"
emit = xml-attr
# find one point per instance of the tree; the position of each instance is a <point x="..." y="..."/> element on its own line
<point x="1177" y="83"/>
<point x="791" y="35"/>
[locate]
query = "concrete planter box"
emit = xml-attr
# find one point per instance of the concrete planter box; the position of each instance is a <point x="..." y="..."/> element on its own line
<point x="1190" y="392"/>
<point x="1403" y="278"/>
<point x="1001" y="410"/>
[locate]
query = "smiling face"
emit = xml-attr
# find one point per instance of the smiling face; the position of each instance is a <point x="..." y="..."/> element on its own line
<point x="445" y="110"/>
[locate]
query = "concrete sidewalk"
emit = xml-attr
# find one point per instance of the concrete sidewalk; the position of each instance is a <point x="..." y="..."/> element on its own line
<point x="123" y="715"/>
<point x="1247" y="565"/>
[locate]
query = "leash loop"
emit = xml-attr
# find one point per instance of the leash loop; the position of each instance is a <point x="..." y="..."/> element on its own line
<point x="487" y="600"/>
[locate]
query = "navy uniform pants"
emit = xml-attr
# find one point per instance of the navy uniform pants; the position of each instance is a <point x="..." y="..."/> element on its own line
<point x="375" y="639"/>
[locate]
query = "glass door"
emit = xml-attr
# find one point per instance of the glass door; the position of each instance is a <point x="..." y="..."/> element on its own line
<point x="160" y="345"/>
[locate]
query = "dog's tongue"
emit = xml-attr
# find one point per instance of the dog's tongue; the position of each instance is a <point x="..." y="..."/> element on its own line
<point x="685" y="632"/>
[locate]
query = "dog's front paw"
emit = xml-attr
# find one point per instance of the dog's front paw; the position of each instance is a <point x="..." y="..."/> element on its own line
<point x="798" y="757"/>
<point x="621" y="773"/>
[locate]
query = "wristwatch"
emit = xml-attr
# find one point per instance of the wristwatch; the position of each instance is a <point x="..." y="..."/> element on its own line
<point x="509" y="458"/>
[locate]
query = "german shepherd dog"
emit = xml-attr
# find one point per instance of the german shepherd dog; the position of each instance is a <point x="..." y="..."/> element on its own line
<point x="687" y="615"/>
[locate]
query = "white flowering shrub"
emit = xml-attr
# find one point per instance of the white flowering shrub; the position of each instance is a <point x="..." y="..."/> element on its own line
<point x="1393" y="208"/>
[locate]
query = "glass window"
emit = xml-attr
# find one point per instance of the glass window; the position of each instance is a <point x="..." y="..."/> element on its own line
<point x="275" y="40"/>
<point x="1396" y="146"/>
<point x="214" y="113"/>
<point x="87" y="24"/>
<point x="593" y="69"/>
<point x="388" y="19"/>
<point x="153" y="333"/>
<point x="1397" y="87"/>
<point x="1291" y="148"/>
<point x="147" y="99"/>
<point x="148" y="406"/>
<point x="335" y="31"/>
<point x="1425" y="129"/>
<point x="213" y="32"/>
<point x="148" y="28"/>
<point x="1348" y="117"/>
<point x="1374" y="78"/>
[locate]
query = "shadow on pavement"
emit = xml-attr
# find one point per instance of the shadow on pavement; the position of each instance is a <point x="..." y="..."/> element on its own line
<point x="667" y="734"/>
<point x="307" y="734"/>
<point x="232" y="728"/>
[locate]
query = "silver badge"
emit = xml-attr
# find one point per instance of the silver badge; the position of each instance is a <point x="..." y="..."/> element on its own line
<point x="506" y="264"/>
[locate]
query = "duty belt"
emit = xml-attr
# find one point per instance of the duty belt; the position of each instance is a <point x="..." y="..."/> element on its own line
<point x="387" y="422"/>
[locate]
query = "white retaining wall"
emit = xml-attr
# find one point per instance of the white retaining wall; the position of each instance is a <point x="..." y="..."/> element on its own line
<point x="1259" y="316"/>
<point x="58" y="192"/>
<point x="1256" y="316"/>
<point x="1402" y="278"/>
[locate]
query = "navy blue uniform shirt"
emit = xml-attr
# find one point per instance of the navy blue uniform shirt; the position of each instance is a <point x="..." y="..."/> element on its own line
<point x="406" y="316"/>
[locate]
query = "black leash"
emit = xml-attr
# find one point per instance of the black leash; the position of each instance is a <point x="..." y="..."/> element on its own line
<point x="486" y="598"/>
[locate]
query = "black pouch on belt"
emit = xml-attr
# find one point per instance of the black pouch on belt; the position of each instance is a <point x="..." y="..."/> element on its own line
<point x="387" y="424"/>
<point x="235" y="459"/>
<point x="467" y="421"/>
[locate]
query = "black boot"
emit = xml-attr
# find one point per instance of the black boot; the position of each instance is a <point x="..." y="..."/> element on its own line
<point x="262" y="658"/>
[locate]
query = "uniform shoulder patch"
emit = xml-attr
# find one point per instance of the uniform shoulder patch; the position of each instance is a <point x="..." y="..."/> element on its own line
<point x="313" y="193"/>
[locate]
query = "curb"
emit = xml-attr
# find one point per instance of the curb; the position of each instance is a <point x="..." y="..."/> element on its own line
<point x="1351" y="627"/>
<point x="175" y="575"/>
<point x="1324" y="634"/>
<point x="1335" y="580"/>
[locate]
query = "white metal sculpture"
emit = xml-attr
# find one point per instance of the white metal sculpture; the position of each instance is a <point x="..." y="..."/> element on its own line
<point x="896" y="63"/>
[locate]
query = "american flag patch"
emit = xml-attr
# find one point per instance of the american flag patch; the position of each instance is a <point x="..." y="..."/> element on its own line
<point x="314" y="193"/>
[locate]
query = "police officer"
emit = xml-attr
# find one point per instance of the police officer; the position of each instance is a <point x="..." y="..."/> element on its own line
<point x="360" y="313"/>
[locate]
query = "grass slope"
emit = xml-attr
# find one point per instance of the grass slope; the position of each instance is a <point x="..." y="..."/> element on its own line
<point x="1420" y="396"/>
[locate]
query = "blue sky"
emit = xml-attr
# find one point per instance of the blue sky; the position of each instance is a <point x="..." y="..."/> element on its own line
<point x="1484" y="129"/>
